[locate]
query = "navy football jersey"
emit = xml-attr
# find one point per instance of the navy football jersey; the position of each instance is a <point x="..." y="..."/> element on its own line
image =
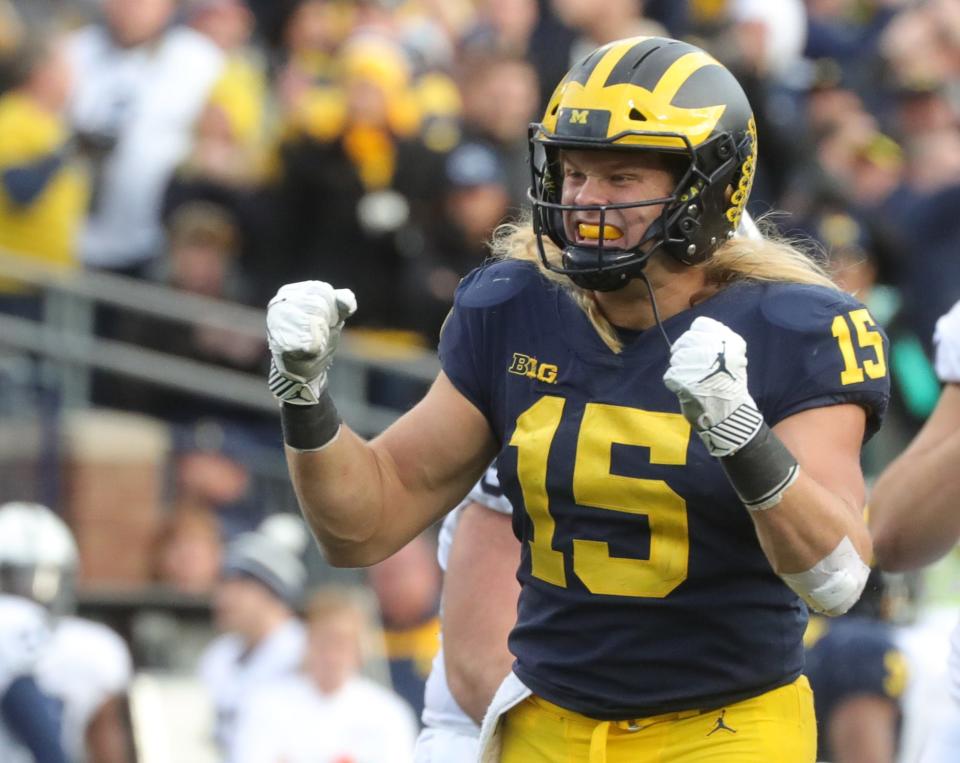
<point x="849" y="657"/>
<point x="644" y="586"/>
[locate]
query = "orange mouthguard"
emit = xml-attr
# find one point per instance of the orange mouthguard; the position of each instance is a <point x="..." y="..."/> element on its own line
<point x="593" y="231"/>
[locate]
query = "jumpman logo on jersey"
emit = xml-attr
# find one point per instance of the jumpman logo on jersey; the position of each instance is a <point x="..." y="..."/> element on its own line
<point x="721" y="365"/>
<point x="721" y="725"/>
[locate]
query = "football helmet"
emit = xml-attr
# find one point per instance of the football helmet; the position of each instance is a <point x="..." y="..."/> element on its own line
<point x="648" y="94"/>
<point x="38" y="555"/>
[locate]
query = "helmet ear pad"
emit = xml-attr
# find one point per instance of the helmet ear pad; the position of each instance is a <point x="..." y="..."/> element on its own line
<point x="704" y="217"/>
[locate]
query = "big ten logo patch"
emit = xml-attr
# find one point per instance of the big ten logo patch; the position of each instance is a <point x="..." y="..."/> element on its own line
<point x="524" y="365"/>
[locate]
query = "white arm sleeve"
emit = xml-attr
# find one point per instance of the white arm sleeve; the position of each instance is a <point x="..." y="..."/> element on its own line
<point x="946" y="340"/>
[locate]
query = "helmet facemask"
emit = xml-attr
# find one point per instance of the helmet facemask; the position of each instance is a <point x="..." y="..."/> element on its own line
<point x="38" y="556"/>
<point x="51" y="586"/>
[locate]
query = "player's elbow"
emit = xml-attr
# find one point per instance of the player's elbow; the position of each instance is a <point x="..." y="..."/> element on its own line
<point x="348" y="554"/>
<point x="835" y="597"/>
<point x="346" y="547"/>
<point x="842" y="604"/>
<point x="833" y="584"/>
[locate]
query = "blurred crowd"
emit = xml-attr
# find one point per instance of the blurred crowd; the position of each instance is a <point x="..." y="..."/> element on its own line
<point x="226" y="147"/>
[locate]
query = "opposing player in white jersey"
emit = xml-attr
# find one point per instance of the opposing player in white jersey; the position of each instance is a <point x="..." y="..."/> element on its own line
<point x="82" y="666"/>
<point x="915" y="506"/>
<point x="475" y="625"/>
<point x="30" y="726"/>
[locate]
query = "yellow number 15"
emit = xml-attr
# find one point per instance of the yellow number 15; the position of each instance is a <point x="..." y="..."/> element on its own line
<point x="852" y="373"/>
<point x="666" y="435"/>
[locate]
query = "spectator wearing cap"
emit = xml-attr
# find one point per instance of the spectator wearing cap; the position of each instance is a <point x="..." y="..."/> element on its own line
<point x="476" y="200"/>
<point x="261" y="637"/>
<point x="477" y="197"/>
<point x="213" y="472"/>
<point x="328" y="712"/>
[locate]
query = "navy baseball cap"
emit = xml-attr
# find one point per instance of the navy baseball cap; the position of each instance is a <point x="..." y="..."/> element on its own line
<point x="472" y="164"/>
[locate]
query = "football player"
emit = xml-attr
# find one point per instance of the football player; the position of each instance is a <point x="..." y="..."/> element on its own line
<point x="82" y="666"/>
<point x="30" y="724"/>
<point x="478" y="553"/>
<point x="677" y="511"/>
<point x="914" y="514"/>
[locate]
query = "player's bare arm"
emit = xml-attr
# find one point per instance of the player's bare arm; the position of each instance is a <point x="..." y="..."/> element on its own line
<point x="479" y="606"/>
<point x="108" y="740"/>
<point x="801" y="482"/>
<point x="913" y="509"/>
<point x="364" y="500"/>
<point x="825" y="504"/>
<point x="862" y="730"/>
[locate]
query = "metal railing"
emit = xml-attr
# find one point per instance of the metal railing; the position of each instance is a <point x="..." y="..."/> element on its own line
<point x="65" y="337"/>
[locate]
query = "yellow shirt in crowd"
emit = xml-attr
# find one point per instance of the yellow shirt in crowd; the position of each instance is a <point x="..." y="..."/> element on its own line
<point x="46" y="228"/>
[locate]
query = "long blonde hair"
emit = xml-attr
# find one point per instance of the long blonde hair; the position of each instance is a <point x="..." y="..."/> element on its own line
<point x="770" y="258"/>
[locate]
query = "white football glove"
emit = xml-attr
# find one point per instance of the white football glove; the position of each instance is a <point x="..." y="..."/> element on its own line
<point x="304" y="321"/>
<point x="946" y="339"/>
<point x="708" y="374"/>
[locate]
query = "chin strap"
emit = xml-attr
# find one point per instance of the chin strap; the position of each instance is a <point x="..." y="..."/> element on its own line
<point x="656" y="312"/>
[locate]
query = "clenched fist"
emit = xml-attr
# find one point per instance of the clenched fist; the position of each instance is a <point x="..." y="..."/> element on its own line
<point x="304" y="321"/>
<point x="708" y="374"/>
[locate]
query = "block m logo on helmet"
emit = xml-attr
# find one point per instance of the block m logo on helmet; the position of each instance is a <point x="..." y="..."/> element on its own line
<point x="585" y="123"/>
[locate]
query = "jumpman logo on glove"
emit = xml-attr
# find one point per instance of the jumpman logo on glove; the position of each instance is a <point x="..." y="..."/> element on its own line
<point x="721" y="365"/>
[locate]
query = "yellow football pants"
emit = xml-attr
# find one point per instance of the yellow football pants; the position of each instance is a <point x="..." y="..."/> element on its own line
<point x="776" y="727"/>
